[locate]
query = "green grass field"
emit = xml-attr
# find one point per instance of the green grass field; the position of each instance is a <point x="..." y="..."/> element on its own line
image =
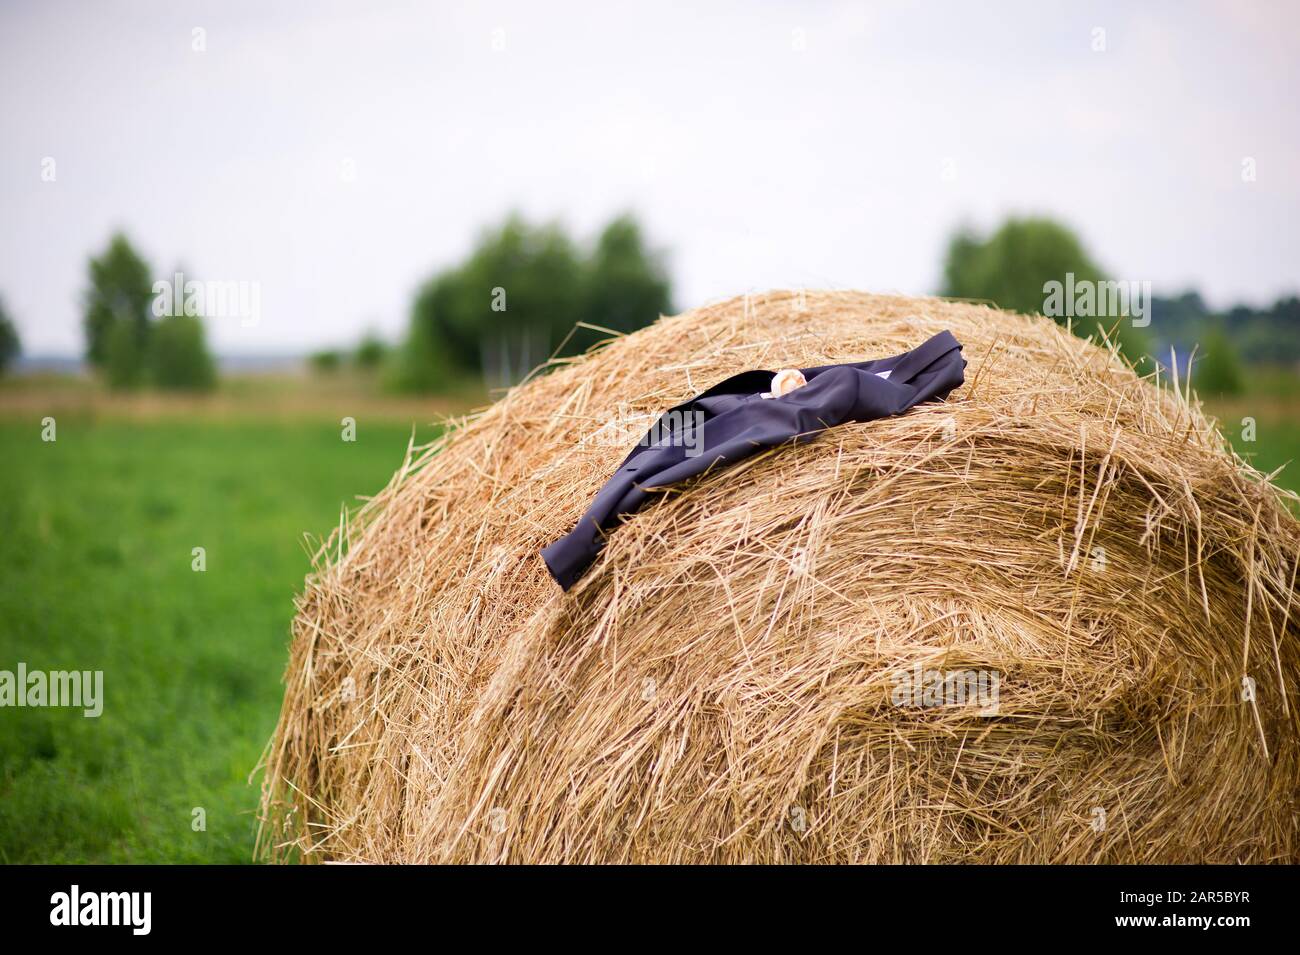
<point x="98" y="531"/>
<point x="95" y="564"/>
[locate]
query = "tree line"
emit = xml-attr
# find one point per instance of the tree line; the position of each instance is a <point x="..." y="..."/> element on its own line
<point x="527" y="292"/>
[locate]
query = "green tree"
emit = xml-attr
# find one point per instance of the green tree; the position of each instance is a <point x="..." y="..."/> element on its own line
<point x="498" y="313"/>
<point x="10" y="345"/>
<point x="126" y="360"/>
<point x="179" y="358"/>
<point x="423" y="362"/>
<point x="120" y="293"/>
<point x="627" y="285"/>
<point x="1011" y="267"/>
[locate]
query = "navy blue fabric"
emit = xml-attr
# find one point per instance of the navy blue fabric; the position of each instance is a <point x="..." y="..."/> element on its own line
<point x="734" y="422"/>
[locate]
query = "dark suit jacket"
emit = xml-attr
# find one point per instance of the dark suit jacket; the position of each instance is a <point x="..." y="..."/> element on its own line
<point x="732" y="421"/>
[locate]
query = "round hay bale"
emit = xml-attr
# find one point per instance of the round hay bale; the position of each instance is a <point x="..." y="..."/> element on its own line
<point x="760" y="666"/>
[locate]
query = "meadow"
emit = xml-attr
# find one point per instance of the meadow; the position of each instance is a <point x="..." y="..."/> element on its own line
<point x="97" y="562"/>
<point x="97" y="573"/>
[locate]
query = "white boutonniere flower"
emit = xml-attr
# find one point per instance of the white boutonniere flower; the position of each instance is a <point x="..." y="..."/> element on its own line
<point x="785" y="381"/>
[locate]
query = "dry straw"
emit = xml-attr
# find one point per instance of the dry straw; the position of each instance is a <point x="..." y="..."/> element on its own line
<point x="721" y="686"/>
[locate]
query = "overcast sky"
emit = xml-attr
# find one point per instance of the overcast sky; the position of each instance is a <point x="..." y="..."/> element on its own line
<point x="338" y="153"/>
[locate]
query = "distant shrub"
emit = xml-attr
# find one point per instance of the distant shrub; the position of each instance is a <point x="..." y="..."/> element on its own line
<point x="327" y="361"/>
<point x="370" y="353"/>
